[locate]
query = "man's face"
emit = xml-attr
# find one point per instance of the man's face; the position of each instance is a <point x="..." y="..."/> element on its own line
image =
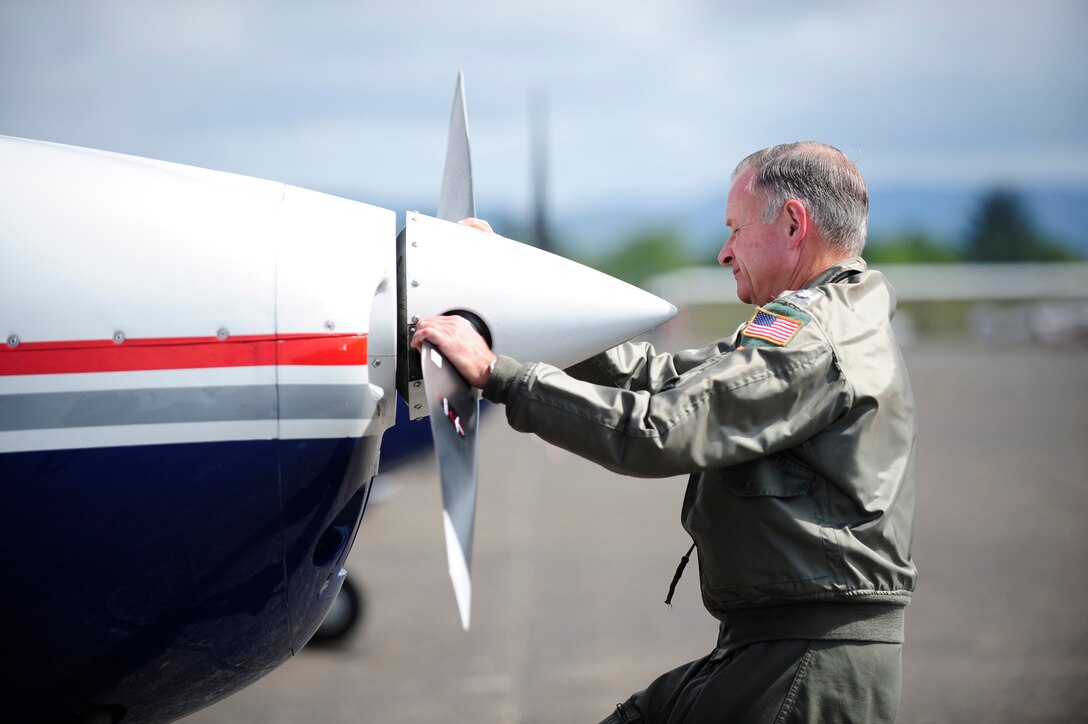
<point x="754" y="248"/>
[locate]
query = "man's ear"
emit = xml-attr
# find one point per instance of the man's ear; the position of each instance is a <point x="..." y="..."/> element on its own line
<point x="797" y="218"/>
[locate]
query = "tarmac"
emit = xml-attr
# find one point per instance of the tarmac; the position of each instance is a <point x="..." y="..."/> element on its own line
<point x="572" y="563"/>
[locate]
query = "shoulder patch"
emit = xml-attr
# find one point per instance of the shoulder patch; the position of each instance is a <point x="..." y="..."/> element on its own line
<point x="775" y="324"/>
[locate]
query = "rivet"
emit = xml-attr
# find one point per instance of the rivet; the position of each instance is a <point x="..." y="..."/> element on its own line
<point x="415" y="243"/>
<point x="415" y="319"/>
<point x="415" y="218"/>
<point x="377" y="363"/>
<point x="415" y="283"/>
<point x="118" y="337"/>
<point x="222" y="333"/>
<point x="419" y="407"/>
<point x="329" y="325"/>
<point x="13" y="341"/>
<point x="417" y="385"/>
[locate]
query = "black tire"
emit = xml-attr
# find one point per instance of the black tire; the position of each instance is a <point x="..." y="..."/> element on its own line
<point x="344" y="615"/>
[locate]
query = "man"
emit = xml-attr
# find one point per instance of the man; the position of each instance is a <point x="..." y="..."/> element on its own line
<point x="798" y="434"/>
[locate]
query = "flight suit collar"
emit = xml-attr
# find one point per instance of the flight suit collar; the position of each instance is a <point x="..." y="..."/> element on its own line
<point x="838" y="272"/>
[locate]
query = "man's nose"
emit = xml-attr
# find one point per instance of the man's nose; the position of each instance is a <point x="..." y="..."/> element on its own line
<point x="725" y="256"/>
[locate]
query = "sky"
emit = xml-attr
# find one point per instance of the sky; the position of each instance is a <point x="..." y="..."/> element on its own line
<point x="648" y="102"/>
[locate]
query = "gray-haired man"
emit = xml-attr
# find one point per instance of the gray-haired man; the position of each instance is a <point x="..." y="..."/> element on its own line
<point x="798" y="433"/>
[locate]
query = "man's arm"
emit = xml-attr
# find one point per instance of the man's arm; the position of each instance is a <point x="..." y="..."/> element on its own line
<point x="637" y="366"/>
<point x="734" y="407"/>
<point x="628" y="366"/>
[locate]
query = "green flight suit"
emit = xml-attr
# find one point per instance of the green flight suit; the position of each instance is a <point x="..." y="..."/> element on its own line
<point x="798" y="433"/>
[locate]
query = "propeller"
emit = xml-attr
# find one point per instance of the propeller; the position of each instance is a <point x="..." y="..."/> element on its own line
<point x="453" y="405"/>
<point x="527" y="303"/>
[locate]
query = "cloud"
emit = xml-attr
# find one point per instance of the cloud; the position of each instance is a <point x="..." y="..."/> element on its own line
<point x="647" y="100"/>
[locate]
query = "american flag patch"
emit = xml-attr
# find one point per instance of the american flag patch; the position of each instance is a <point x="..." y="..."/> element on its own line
<point x="771" y="327"/>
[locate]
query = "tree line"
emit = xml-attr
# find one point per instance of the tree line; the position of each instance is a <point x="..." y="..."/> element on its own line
<point x="1001" y="230"/>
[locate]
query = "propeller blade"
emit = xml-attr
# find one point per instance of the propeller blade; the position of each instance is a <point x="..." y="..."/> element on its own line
<point x="454" y="410"/>
<point x="456" y="202"/>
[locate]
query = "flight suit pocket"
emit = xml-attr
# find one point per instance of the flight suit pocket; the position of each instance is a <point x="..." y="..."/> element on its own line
<point x="762" y="532"/>
<point x="776" y="477"/>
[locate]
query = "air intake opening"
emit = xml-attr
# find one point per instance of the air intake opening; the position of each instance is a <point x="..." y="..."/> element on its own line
<point x="335" y="539"/>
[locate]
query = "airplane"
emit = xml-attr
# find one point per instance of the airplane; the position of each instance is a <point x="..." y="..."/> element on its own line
<point x="196" y="373"/>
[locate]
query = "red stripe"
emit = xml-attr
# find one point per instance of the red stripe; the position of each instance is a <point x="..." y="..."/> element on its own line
<point x="44" y="358"/>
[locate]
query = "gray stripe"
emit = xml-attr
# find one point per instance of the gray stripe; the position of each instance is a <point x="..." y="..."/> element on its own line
<point x="52" y="410"/>
<point x="326" y="402"/>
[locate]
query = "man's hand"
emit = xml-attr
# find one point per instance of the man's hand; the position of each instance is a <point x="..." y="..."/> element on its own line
<point x="460" y="343"/>
<point x="477" y="224"/>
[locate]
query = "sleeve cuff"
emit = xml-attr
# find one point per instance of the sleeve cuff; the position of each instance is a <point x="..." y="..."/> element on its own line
<point x="503" y="375"/>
